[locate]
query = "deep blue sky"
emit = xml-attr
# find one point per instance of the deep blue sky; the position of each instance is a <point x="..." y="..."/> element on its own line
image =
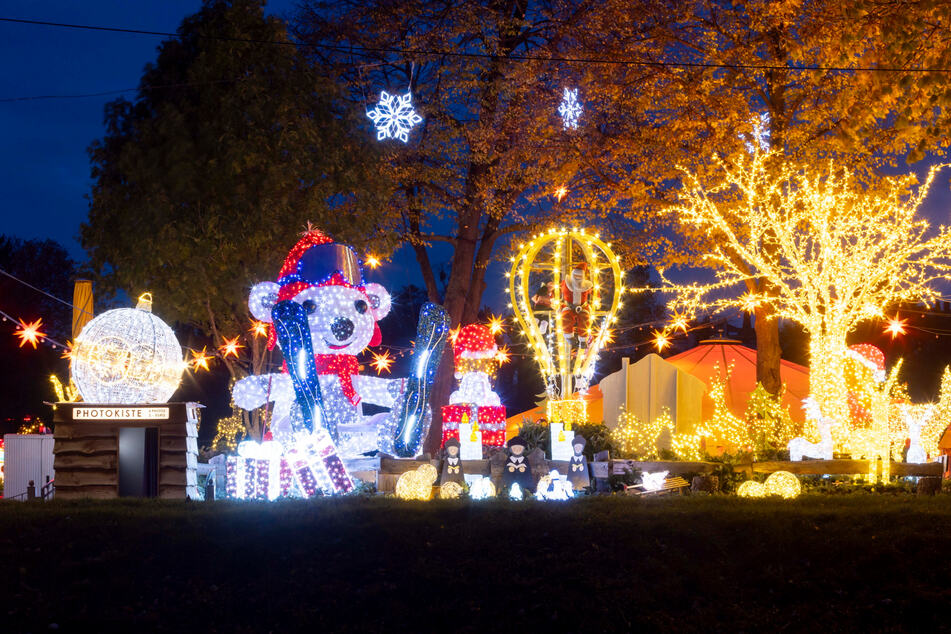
<point x="44" y="166"/>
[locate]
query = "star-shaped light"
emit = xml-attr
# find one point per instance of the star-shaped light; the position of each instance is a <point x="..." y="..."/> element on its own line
<point x="200" y="359"/>
<point x="394" y="116"/>
<point x="30" y="333"/>
<point x="259" y="328"/>
<point x="661" y="340"/>
<point x="570" y="109"/>
<point x="230" y="347"/>
<point x="372" y="261"/>
<point x="502" y="356"/>
<point x="382" y="362"/>
<point x="750" y="301"/>
<point x="561" y="192"/>
<point x="495" y="325"/>
<point x="895" y="326"/>
<point x="679" y="323"/>
<point x="67" y="350"/>
<point x="453" y="335"/>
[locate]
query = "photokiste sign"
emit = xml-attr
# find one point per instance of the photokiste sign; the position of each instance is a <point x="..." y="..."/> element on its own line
<point x="120" y="413"/>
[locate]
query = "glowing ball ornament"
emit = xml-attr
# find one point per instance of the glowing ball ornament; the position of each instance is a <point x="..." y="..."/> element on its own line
<point x="127" y="355"/>
<point x="450" y="490"/>
<point x="751" y="489"/>
<point x="784" y="484"/>
<point x="418" y="484"/>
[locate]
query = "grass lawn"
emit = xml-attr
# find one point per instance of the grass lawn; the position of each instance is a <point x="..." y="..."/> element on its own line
<point x="820" y="563"/>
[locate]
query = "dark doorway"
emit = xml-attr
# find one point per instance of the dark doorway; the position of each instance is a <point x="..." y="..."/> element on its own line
<point x="138" y="462"/>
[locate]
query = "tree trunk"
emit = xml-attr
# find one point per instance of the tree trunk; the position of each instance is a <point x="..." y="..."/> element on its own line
<point x="768" y="352"/>
<point x="457" y="292"/>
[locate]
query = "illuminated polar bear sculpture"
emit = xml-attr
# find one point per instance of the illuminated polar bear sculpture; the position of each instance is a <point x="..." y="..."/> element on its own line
<point x="335" y="318"/>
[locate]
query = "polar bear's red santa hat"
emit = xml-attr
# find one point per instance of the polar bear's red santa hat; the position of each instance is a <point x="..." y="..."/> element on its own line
<point x="316" y="261"/>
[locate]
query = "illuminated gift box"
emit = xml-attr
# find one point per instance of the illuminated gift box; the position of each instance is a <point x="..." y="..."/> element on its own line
<point x="257" y="478"/>
<point x="490" y="418"/>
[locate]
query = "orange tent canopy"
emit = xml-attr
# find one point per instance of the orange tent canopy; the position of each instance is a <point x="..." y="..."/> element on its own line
<point x="714" y="356"/>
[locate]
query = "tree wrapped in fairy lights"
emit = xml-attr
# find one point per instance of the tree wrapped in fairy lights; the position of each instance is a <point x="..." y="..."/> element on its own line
<point x="830" y="250"/>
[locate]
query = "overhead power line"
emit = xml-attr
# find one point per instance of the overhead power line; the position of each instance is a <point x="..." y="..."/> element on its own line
<point x="120" y="90"/>
<point x="356" y="49"/>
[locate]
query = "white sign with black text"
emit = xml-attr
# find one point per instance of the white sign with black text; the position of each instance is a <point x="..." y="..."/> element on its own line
<point x="120" y="413"/>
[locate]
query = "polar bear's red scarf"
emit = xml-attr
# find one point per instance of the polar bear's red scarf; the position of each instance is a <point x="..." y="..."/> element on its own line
<point x="344" y="366"/>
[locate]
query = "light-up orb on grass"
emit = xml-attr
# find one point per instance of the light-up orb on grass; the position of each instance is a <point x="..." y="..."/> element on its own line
<point x="127" y="355"/>
<point x="751" y="489"/>
<point x="784" y="484"/>
<point x="450" y="490"/>
<point x="418" y="484"/>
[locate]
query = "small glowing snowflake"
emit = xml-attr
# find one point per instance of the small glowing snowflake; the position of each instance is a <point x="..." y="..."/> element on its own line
<point x="760" y="137"/>
<point x="570" y="109"/>
<point x="394" y="117"/>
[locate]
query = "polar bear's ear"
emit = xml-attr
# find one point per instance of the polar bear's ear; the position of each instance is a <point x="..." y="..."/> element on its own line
<point x="262" y="300"/>
<point x="379" y="300"/>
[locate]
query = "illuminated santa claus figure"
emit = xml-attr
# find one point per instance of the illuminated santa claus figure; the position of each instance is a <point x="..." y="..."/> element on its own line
<point x="476" y="360"/>
<point x="576" y="292"/>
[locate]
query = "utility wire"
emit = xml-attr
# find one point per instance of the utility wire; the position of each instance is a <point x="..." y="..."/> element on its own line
<point x="42" y="292"/>
<point x="121" y="90"/>
<point x="352" y="48"/>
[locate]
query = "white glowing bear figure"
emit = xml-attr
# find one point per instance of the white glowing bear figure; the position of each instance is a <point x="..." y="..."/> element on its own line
<point x="800" y="448"/>
<point x="326" y="279"/>
<point x="653" y="481"/>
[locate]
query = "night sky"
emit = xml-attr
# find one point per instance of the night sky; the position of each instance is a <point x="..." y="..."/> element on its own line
<point x="45" y="169"/>
<point x="44" y="166"/>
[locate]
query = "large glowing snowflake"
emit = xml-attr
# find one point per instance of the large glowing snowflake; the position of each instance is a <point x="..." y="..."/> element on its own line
<point x="570" y="109"/>
<point x="394" y="117"/>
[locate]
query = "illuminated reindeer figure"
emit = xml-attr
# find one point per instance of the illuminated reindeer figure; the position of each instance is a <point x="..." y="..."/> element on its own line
<point x="914" y="421"/>
<point x="800" y="448"/>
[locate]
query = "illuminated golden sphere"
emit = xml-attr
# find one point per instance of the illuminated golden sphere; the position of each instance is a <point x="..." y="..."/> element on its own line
<point x="418" y="484"/>
<point x="783" y="484"/>
<point x="127" y="355"/>
<point x="450" y="490"/>
<point x="751" y="489"/>
<point x="428" y="473"/>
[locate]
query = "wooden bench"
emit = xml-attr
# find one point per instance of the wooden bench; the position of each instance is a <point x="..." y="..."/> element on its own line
<point x="670" y="485"/>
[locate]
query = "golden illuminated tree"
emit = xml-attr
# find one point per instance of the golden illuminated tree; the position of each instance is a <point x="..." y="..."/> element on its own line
<point x="833" y="250"/>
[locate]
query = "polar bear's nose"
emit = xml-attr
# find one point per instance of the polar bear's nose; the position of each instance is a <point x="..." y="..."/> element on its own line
<point x="342" y="328"/>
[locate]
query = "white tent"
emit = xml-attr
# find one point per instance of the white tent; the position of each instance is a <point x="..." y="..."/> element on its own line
<point x="650" y="386"/>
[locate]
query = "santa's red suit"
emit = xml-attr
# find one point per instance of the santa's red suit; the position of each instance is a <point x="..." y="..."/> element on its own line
<point x="575" y="292"/>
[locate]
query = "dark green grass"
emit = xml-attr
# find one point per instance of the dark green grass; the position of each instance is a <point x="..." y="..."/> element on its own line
<point x="820" y="563"/>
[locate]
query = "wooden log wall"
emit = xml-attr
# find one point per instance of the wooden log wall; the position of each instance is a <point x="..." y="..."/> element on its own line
<point x="839" y="467"/>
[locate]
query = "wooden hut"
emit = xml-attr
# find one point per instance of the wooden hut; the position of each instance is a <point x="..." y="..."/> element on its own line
<point x="109" y="451"/>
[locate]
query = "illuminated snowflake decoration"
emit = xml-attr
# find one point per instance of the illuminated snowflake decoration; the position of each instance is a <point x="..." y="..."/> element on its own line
<point x="570" y="109"/>
<point x="394" y="117"/>
<point x="760" y="136"/>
